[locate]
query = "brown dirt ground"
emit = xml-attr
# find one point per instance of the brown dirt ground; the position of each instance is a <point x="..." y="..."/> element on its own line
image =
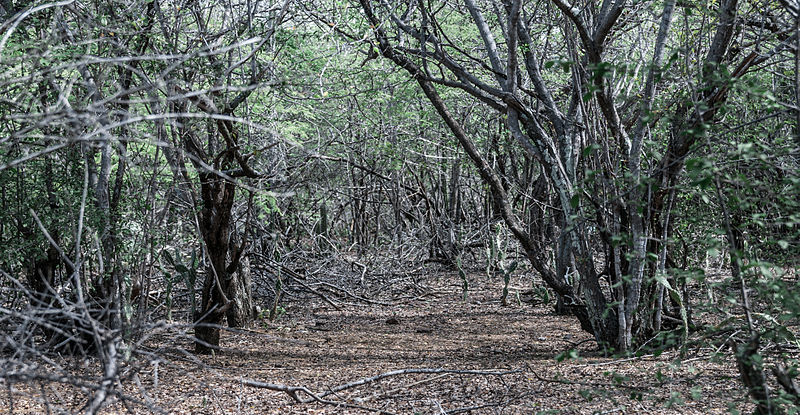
<point x="318" y="347"/>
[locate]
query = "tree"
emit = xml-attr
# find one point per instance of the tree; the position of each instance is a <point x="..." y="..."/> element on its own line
<point x="217" y="81"/>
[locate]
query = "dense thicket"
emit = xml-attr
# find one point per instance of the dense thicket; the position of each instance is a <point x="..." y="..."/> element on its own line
<point x="149" y="148"/>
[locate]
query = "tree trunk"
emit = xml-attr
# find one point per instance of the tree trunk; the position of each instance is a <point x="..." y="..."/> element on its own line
<point x="239" y="291"/>
<point x="225" y="289"/>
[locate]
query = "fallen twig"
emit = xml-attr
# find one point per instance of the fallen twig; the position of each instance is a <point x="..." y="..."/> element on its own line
<point x="589" y="384"/>
<point x="615" y="361"/>
<point x="296" y="278"/>
<point x="293" y="391"/>
<point x="357" y="297"/>
<point x="364" y="381"/>
<point x="290" y="390"/>
<point x="399" y="388"/>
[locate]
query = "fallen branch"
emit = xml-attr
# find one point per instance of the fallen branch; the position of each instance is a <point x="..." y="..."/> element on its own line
<point x="290" y="390"/>
<point x="365" y="381"/>
<point x="319" y="294"/>
<point x="588" y="384"/>
<point x="399" y="388"/>
<point x="357" y="297"/>
<point x="296" y="278"/>
<point x="615" y="361"/>
<point x="294" y="391"/>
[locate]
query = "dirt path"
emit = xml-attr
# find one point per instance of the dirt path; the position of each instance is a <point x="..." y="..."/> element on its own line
<point x="318" y="347"/>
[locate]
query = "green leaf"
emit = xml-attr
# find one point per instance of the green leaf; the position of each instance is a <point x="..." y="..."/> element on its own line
<point x="676" y="296"/>
<point x="590" y="149"/>
<point x="512" y="267"/>
<point x="567" y="355"/>
<point x="696" y="393"/>
<point x="586" y="394"/>
<point x="575" y="201"/>
<point x="168" y="257"/>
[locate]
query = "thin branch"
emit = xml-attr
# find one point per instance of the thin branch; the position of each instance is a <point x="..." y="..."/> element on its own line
<point x="293" y="391"/>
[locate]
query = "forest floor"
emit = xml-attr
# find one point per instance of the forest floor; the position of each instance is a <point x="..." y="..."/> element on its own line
<point x="484" y="358"/>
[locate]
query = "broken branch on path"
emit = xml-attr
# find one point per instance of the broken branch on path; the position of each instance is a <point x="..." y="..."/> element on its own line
<point x="399" y="388"/>
<point x="332" y="287"/>
<point x="296" y="278"/>
<point x="365" y="381"/>
<point x="292" y="391"/>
